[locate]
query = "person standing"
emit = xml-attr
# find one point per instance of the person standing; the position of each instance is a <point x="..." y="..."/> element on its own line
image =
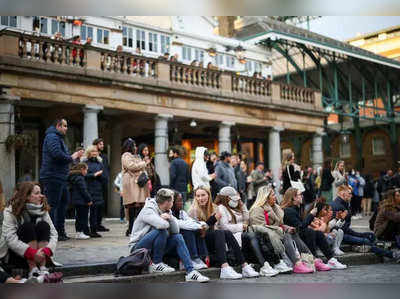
<point x="99" y="143"/>
<point x="179" y="174"/>
<point x="211" y="164"/>
<point x="290" y="171"/>
<point x="241" y="177"/>
<point x="258" y="177"/>
<point x="144" y="154"/>
<point x="54" y="173"/>
<point x="339" y="176"/>
<point x="200" y="176"/>
<point x="327" y="181"/>
<point x="225" y="173"/>
<point x="95" y="180"/>
<point x="133" y="195"/>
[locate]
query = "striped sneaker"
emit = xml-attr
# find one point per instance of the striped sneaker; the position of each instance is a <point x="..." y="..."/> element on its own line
<point x="160" y="268"/>
<point x="196" y="277"/>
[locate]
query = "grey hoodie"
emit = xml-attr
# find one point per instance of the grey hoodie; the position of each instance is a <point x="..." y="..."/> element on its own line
<point x="149" y="219"/>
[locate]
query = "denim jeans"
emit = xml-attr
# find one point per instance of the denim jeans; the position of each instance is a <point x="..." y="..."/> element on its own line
<point x="57" y="195"/>
<point x="160" y="243"/>
<point x="195" y="244"/>
<point x="366" y="239"/>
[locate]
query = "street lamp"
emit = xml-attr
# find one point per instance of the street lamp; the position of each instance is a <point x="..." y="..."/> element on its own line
<point x="193" y="123"/>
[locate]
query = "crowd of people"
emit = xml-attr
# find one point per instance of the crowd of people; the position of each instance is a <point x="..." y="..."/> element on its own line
<point x="213" y="213"/>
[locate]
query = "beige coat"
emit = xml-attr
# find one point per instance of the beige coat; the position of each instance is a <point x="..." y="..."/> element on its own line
<point x="132" y="167"/>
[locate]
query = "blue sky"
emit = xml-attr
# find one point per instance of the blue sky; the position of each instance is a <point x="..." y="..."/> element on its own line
<point x="346" y="27"/>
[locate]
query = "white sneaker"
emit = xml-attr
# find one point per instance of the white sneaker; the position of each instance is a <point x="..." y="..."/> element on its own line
<point x="44" y="270"/>
<point x="282" y="267"/>
<point x="267" y="270"/>
<point x="248" y="271"/>
<point x="160" y="268"/>
<point x="335" y="264"/>
<point x="198" y="264"/>
<point x="229" y="273"/>
<point x="196" y="276"/>
<point x="82" y="236"/>
<point x="337" y="252"/>
<point x="35" y="272"/>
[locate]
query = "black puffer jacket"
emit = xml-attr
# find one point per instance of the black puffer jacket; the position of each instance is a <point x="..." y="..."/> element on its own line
<point x="95" y="184"/>
<point x="78" y="189"/>
<point x="292" y="218"/>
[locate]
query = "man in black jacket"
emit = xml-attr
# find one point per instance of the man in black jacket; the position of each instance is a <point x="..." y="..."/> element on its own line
<point x="179" y="174"/>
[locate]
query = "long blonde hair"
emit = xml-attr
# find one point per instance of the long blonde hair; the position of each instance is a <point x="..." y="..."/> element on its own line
<point x="287" y="156"/>
<point x="262" y="196"/>
<point x="200" y="213"/>
<point x="337" y="167"/>
<point x="288" y="197"/>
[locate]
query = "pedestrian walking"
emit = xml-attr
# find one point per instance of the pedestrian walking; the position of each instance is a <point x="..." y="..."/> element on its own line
<point x="225" y="175"/>
<point x="179" y="174"/>
<point x="144" y="154"/>
<point x="200" y="175"/>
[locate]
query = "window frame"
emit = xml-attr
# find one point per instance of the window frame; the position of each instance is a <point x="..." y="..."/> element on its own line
<point x="8" y="21"/>
<point x="165" y="42"/>
<point x="342" y="153"/>
<point x="375" y="151"/>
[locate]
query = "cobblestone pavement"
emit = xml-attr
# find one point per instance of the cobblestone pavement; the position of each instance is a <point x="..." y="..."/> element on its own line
<point x="113" y="244"/>
<point x="365" y="274"/>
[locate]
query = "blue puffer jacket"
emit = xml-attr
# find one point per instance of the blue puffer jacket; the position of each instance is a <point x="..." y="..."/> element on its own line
<point x="55" y="156"/>
<point x="78" y="189"/>
<point x="179" y="175"/>
<point x="95" y="184"/>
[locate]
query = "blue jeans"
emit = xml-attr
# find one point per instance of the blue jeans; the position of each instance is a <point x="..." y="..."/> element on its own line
<point x="57" y="195"/>
<point x="195" y="244"/>
<point x="160" y="243"/>
<point x="366" y="239"/>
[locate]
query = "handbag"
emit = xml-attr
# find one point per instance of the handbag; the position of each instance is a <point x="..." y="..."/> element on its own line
<point x="142" y="179"/>
<point x="135" y="263"/>
<point x="295" y="184"/>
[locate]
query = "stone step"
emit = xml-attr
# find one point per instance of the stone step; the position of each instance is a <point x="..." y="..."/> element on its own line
<point x="102" y="273"/>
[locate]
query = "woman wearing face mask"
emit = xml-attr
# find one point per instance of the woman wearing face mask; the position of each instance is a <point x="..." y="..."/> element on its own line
<point x="29" y="238"/>
<point x="235" y="218"/>
<point x="203" y="209"/>
<point x="339" y="175"/>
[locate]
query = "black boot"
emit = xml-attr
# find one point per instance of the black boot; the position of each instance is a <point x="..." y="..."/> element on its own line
<point x="62" y="236"/>
<point x="94" y="234"/>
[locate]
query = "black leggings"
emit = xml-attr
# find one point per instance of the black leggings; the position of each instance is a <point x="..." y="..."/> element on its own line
<point x="316" y="239"/>
<point x="81" y="219"/>
<point x="133" y="211"/>
<point x="26" y="233"/>
<point x="217" y="240"/>
<point x="260" y="245"/>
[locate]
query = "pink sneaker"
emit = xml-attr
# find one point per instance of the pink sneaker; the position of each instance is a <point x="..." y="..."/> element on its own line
<point x="320" y="266"/>
<point x="302" y="269"/>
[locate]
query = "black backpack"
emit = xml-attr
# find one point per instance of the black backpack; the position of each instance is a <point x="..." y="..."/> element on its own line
<point x="134" y="264"/>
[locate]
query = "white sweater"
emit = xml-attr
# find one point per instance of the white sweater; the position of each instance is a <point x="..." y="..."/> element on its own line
<point x="226" y="222"/>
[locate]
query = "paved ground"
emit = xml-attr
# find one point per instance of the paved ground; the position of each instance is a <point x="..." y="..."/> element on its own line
<point x="113" y="244"/>
<point x="366" y="274"/>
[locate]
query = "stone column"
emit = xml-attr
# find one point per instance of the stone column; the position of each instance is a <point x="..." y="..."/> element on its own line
<point x="224" y="136"/>
<point x="115" y="167"/>
<point x="161" y="147"/>
<point x="7" y="158"/>
<point x="274" y="154"/>
<point x="317" y="153"/>
<point x="90" y="124"/>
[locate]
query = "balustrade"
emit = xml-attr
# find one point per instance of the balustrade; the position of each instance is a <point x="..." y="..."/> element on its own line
<point x="195" y="76"/>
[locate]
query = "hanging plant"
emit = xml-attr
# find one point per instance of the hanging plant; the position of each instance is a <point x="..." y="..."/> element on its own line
<point x="19" y="142"/>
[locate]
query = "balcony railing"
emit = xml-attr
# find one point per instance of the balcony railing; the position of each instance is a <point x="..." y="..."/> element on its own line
<point x="250" y="85"/>
<point x="128" y="64"/>
<point x="195" y="76"/>
<point x="297" y="94"/>
<point x="49" y="53"/>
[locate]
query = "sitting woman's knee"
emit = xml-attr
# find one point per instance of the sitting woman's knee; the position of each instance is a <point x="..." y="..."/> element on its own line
<point x="43" y="231"/>
<point x="27" y="232"/>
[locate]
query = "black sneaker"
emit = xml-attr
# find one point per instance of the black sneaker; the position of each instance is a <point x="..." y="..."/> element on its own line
<point x="101" y="228"/>
<point x="62" y="238"/>
<point x="95" y="235"/>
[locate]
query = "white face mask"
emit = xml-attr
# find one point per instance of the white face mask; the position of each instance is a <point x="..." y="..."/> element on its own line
<point x="233" y="203"/>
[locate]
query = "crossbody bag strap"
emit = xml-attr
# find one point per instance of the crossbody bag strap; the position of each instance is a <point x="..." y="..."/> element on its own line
<point x="287" y="168"/>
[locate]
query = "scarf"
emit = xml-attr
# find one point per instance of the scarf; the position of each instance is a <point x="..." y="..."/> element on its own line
<point x="35" y="210"/>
